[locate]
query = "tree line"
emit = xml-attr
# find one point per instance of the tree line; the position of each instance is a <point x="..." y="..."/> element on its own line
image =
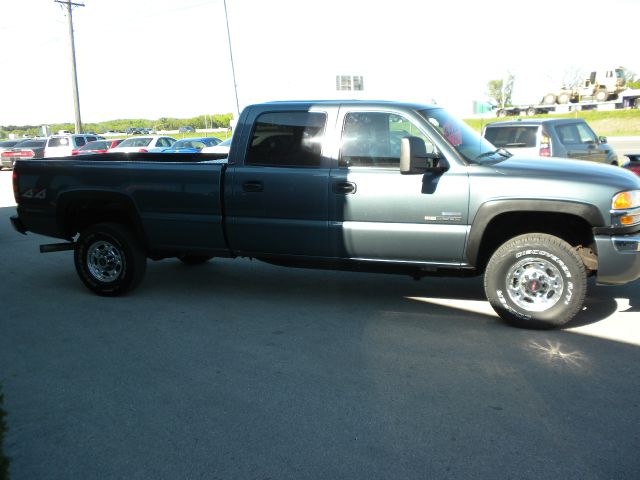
<point x="218" y="120"/>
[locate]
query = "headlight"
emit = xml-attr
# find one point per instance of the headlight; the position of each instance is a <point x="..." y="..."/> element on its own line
<point x="624" y="208"/>
<point x="626" y="200"/>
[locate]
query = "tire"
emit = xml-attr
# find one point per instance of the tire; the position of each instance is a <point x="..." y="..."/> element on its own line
<point x="109" y="259"/>
<point x="194" y="259"/>
<point x="563" y="98"/>
<point x="601" y="96"/>
<point x="501" y="113"/>
<point x="531" y="111"/>
<point x="549" y="99"/>
<point x="536" y="281"/>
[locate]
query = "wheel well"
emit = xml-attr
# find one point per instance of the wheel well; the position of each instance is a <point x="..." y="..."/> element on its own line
<point x="80" y="214"/>
<point x="573" y="229"/>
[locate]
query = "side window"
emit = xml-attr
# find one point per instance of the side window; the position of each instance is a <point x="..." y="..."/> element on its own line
<point x="373" y="139"/>
<point x="80" y="141"/>
<point x="568" y="134"/>
<point x="585" y="133"/>
<point x="287" y="139"/>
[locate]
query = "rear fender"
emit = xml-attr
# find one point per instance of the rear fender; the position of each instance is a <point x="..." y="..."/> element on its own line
<point x="79" y="208"/>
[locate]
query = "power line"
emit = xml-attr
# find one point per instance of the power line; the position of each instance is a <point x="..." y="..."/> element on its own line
<point x="74" y="74"/>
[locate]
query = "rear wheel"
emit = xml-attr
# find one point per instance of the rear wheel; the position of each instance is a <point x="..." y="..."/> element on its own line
<point x="601" y="96"/>
<point x="536" y="281"/>
<point x="531" y="111"/>
<point x="109" y="259"/>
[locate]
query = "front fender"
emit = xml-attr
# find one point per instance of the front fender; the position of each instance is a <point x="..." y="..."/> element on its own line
<point x="490" y="210"/>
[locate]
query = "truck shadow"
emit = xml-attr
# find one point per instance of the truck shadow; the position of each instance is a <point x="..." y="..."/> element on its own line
<point x="245" y="280"/>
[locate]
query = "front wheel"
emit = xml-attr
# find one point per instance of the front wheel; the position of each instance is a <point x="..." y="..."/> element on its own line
<point x="536" y="281"/>
<point x="109" y="259"/>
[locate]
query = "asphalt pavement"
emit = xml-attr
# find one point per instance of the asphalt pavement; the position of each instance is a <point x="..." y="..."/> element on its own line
<point x="241" y="370"/>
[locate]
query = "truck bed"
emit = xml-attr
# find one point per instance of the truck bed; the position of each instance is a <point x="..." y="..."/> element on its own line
<point x="174" y="200"/>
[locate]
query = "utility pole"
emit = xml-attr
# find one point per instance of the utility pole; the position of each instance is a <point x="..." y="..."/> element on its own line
<point x="74" y="75"/>
<point x="233" y="71"/>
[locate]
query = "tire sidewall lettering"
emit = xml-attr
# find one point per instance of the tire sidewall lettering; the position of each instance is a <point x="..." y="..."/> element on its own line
<point x="508" y="306"/>
<point x="544" y="253"/>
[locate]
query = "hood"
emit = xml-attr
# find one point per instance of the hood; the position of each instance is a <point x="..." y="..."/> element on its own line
<point x="564" y="168"/>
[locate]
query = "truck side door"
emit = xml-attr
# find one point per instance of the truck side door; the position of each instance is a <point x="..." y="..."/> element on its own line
<point x="378" y="214"/>
<point x="276" y="201"/>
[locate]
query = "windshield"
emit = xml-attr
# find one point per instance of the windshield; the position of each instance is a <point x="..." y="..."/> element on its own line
<point x="467" y="142"/>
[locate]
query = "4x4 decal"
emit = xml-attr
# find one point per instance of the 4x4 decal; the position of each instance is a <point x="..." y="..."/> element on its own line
<point x="32" y="193"/>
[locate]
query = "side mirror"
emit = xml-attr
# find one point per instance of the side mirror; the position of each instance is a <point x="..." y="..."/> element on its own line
<point x="602" y="139"/>
<point x="414" y="158"/>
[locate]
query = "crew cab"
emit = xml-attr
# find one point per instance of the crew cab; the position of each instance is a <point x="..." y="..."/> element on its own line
<point x="374" y="186"/>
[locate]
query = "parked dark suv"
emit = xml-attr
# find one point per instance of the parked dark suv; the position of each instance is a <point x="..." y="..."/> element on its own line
<point x="552" y="137"/>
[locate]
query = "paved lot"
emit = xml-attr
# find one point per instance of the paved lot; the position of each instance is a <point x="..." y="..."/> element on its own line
<point x="241" y="370"/>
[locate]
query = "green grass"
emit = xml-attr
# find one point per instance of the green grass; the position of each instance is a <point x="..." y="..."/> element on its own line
<point x="4" y="461"/>
<point x="609" y="124"/>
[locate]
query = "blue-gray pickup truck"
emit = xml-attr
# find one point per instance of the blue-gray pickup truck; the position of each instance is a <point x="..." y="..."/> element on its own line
<point x="373" y="186"/>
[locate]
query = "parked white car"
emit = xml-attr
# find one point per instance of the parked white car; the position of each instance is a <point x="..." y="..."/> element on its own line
<point x="153" y="143"/>
<point x="63" y="145"/>
<point x="222" y="147"/>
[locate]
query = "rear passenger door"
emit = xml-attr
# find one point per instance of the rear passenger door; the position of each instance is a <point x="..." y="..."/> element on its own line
<point x="278" y="201"/>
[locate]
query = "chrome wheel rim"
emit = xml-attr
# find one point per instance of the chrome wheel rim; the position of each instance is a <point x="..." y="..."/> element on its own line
<point x="105" y="262"/>
<point x="534" y="284"/>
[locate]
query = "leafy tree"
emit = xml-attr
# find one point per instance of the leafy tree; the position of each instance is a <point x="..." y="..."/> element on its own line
<point x="500" y="91"/>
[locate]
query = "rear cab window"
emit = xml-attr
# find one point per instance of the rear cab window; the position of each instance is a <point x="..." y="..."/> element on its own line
<point x="524" y="136"/>
<point x="59" y="142"/>
<point x="287" y="139"/>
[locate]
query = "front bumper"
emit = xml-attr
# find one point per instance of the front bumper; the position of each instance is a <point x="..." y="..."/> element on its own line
<point x="618" y="258"/>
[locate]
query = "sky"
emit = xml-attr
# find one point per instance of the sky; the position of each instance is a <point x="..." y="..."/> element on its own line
<point x="170" y="58"/>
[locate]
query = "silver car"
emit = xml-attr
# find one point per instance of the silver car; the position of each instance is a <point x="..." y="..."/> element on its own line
<point x="553" y="137"/>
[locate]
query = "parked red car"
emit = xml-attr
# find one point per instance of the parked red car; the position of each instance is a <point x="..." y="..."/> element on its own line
<point x="97" y="146"/>
<point x="634" y="163"/>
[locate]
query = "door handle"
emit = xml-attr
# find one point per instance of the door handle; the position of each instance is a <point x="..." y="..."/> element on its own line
<point x="253" y="187"/>
<point x="344" y="188"/>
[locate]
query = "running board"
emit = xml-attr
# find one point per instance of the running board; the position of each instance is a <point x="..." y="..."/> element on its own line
<point x="57" y="247"/>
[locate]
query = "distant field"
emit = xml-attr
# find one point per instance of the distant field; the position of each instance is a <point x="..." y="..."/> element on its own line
<point x="609" y="124"/>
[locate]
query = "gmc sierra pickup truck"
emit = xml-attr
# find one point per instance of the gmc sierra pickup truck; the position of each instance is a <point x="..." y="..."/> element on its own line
<point x="373" y="186"/>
